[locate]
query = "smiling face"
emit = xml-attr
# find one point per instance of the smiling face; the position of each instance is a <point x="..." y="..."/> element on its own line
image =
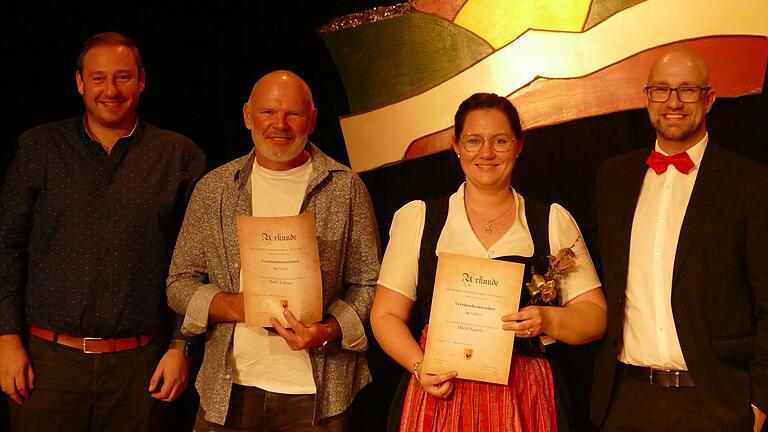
<point x="280" y="116"/>
<point x="110" y="83"/>
<point x="679" y="125"/>
<point x="487" y="168"/>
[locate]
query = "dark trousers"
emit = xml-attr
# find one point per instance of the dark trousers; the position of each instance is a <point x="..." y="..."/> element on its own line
<point x="82" y="392"/>
<point x="640" y="406"/>
<point x="252" y="409"/>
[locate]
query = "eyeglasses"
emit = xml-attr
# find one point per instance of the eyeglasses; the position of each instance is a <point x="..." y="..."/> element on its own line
<point x="685" y="94"/>
<point x="500" y="143"/>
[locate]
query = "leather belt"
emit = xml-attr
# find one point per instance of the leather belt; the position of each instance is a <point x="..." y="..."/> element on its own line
<point x="658" y="377"/>
<point x="90" y="345"/>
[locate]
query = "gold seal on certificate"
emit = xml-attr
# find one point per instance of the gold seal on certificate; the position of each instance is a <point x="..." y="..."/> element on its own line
<point x="280" y="268"/>
<point x="465" y="335"/>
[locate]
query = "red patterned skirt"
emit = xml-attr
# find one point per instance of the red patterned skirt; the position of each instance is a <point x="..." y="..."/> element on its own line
<point x="526" y="403"/>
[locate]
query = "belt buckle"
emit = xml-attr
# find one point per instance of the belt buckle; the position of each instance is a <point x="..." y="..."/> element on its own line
<point x="666" y="383"/>
<point x="85" y="341"/>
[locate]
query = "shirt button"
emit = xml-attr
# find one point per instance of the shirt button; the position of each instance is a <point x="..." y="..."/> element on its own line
<point x="227" y="377"/>
<point x="661" y="329"/>
<point x="657" y="254"/>
<point x="658" y="291"/>
<point x="236" y="265"/>
<point x="661" y="220"/>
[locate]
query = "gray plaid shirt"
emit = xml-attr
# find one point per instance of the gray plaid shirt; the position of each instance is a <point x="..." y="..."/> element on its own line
<point x="206" y="261"/>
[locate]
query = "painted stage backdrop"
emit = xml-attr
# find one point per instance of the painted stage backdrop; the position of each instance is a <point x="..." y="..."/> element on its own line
<point x="406" y="68"/>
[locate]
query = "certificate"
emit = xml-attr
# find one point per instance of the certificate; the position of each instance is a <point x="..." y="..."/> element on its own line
<point x="465" y="335"/>
<point x="280" y="269"/>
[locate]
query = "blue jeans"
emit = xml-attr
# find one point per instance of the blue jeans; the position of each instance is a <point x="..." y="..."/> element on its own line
<point x="252" y="409"/>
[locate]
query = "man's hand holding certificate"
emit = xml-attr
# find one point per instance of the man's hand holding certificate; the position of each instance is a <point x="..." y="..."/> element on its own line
<point x="280" y="269"/>
<point x="465" y="328"/>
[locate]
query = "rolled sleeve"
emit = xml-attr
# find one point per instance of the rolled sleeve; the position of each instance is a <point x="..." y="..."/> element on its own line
<point x="196" y="318"/>
<point x="353" y="336"/>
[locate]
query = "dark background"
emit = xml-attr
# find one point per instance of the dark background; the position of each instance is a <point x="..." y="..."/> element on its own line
<point x="202" y="59"/>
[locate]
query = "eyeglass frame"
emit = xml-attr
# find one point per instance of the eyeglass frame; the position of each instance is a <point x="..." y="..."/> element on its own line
<point x="513" y="139"/>
<point x="670" y="90"/>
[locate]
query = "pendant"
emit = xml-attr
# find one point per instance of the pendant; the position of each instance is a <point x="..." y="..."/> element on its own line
<point x="488" y="229"/>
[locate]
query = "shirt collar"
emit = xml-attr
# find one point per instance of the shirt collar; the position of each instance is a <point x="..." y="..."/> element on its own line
<point x="696" y="153"/>
<point x="321" y="166"/>
<point x="88" y="133"/>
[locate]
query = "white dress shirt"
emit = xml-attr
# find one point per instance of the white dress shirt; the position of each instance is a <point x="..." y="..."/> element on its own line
<point x="650" y="336"/>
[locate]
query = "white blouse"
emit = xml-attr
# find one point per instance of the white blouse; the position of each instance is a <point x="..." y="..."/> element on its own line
<point x="400" y="267"/>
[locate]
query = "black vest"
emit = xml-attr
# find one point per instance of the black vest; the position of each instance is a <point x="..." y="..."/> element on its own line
<point x="537" y="215"/>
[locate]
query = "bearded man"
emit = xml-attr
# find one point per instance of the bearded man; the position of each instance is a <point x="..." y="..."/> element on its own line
<point x="299" y="379"/>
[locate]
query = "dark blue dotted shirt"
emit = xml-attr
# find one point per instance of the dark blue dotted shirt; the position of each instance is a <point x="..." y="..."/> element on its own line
<point x="86" y="237"/>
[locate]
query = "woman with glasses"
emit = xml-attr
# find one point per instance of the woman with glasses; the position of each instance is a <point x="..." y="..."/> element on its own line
<point x="485" y="218"/>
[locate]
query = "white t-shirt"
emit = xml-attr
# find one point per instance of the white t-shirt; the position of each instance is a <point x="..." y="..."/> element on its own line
<point x="400" y="267"/>
<point x="258" y="358"/>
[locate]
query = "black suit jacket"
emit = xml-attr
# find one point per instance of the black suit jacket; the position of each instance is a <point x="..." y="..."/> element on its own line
<point x="719" y="282"/>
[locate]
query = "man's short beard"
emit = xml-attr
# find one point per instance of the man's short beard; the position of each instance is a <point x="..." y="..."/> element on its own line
<point x="288" y="154"/>
<point x="676" y="134"/>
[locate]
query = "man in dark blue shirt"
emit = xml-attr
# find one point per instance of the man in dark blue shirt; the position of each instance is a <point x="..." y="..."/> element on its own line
<point x="89" y="215"/>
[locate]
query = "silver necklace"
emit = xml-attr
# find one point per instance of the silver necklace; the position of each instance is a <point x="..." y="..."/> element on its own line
<point x="488" y="223"/>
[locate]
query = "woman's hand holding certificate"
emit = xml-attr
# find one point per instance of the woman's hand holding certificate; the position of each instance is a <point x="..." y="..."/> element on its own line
<point x="465" y="334"/>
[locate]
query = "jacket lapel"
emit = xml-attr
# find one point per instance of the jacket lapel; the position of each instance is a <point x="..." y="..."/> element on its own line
<point x="628" y="193"/>
<point x="702" y="197"/>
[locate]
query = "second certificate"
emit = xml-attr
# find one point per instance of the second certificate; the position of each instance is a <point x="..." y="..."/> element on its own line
<point x="471" y="295"/>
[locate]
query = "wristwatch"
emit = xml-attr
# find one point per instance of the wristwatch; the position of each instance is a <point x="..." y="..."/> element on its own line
<point x="180" y="345"/>
<point x="331" y="331"/>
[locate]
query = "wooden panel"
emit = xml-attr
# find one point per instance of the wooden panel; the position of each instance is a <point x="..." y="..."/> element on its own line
<point x="737" y="67"/>
<point x="443" y="8"/>
<point x="384" y="62"/>
<point x="601" y="10"/>
<point x="500" y="23"/>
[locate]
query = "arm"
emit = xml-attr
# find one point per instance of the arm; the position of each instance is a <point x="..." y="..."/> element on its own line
<point x="189" y="292"/>
<point x="756" y="238"/>
<point x="173" y="368"/>
<point x="24" y="179"/>
<point x="389" y="321"/>
<point x="360" y="270"/>
<point x="582" y="320"/>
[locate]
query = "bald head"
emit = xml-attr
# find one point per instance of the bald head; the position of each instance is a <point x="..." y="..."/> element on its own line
<point x="679" y="60"/>
<point x="282" y="80"/>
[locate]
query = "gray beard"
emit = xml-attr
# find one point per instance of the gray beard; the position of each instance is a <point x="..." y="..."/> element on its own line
<point x="289" y="154"/>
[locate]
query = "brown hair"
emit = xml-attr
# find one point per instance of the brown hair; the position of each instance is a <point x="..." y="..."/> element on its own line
<point x="487" y="101"/>
<point x="108" y="39"/>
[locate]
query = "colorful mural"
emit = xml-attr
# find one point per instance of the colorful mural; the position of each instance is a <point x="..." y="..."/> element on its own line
<point x="406" y="68"/>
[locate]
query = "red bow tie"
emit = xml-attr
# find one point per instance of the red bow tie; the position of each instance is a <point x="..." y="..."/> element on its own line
<point x="660" y="163"/>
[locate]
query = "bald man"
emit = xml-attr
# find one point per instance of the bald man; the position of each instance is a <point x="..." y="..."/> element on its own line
<point x="299" y="379"/>
<point x="683" y="237"/>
